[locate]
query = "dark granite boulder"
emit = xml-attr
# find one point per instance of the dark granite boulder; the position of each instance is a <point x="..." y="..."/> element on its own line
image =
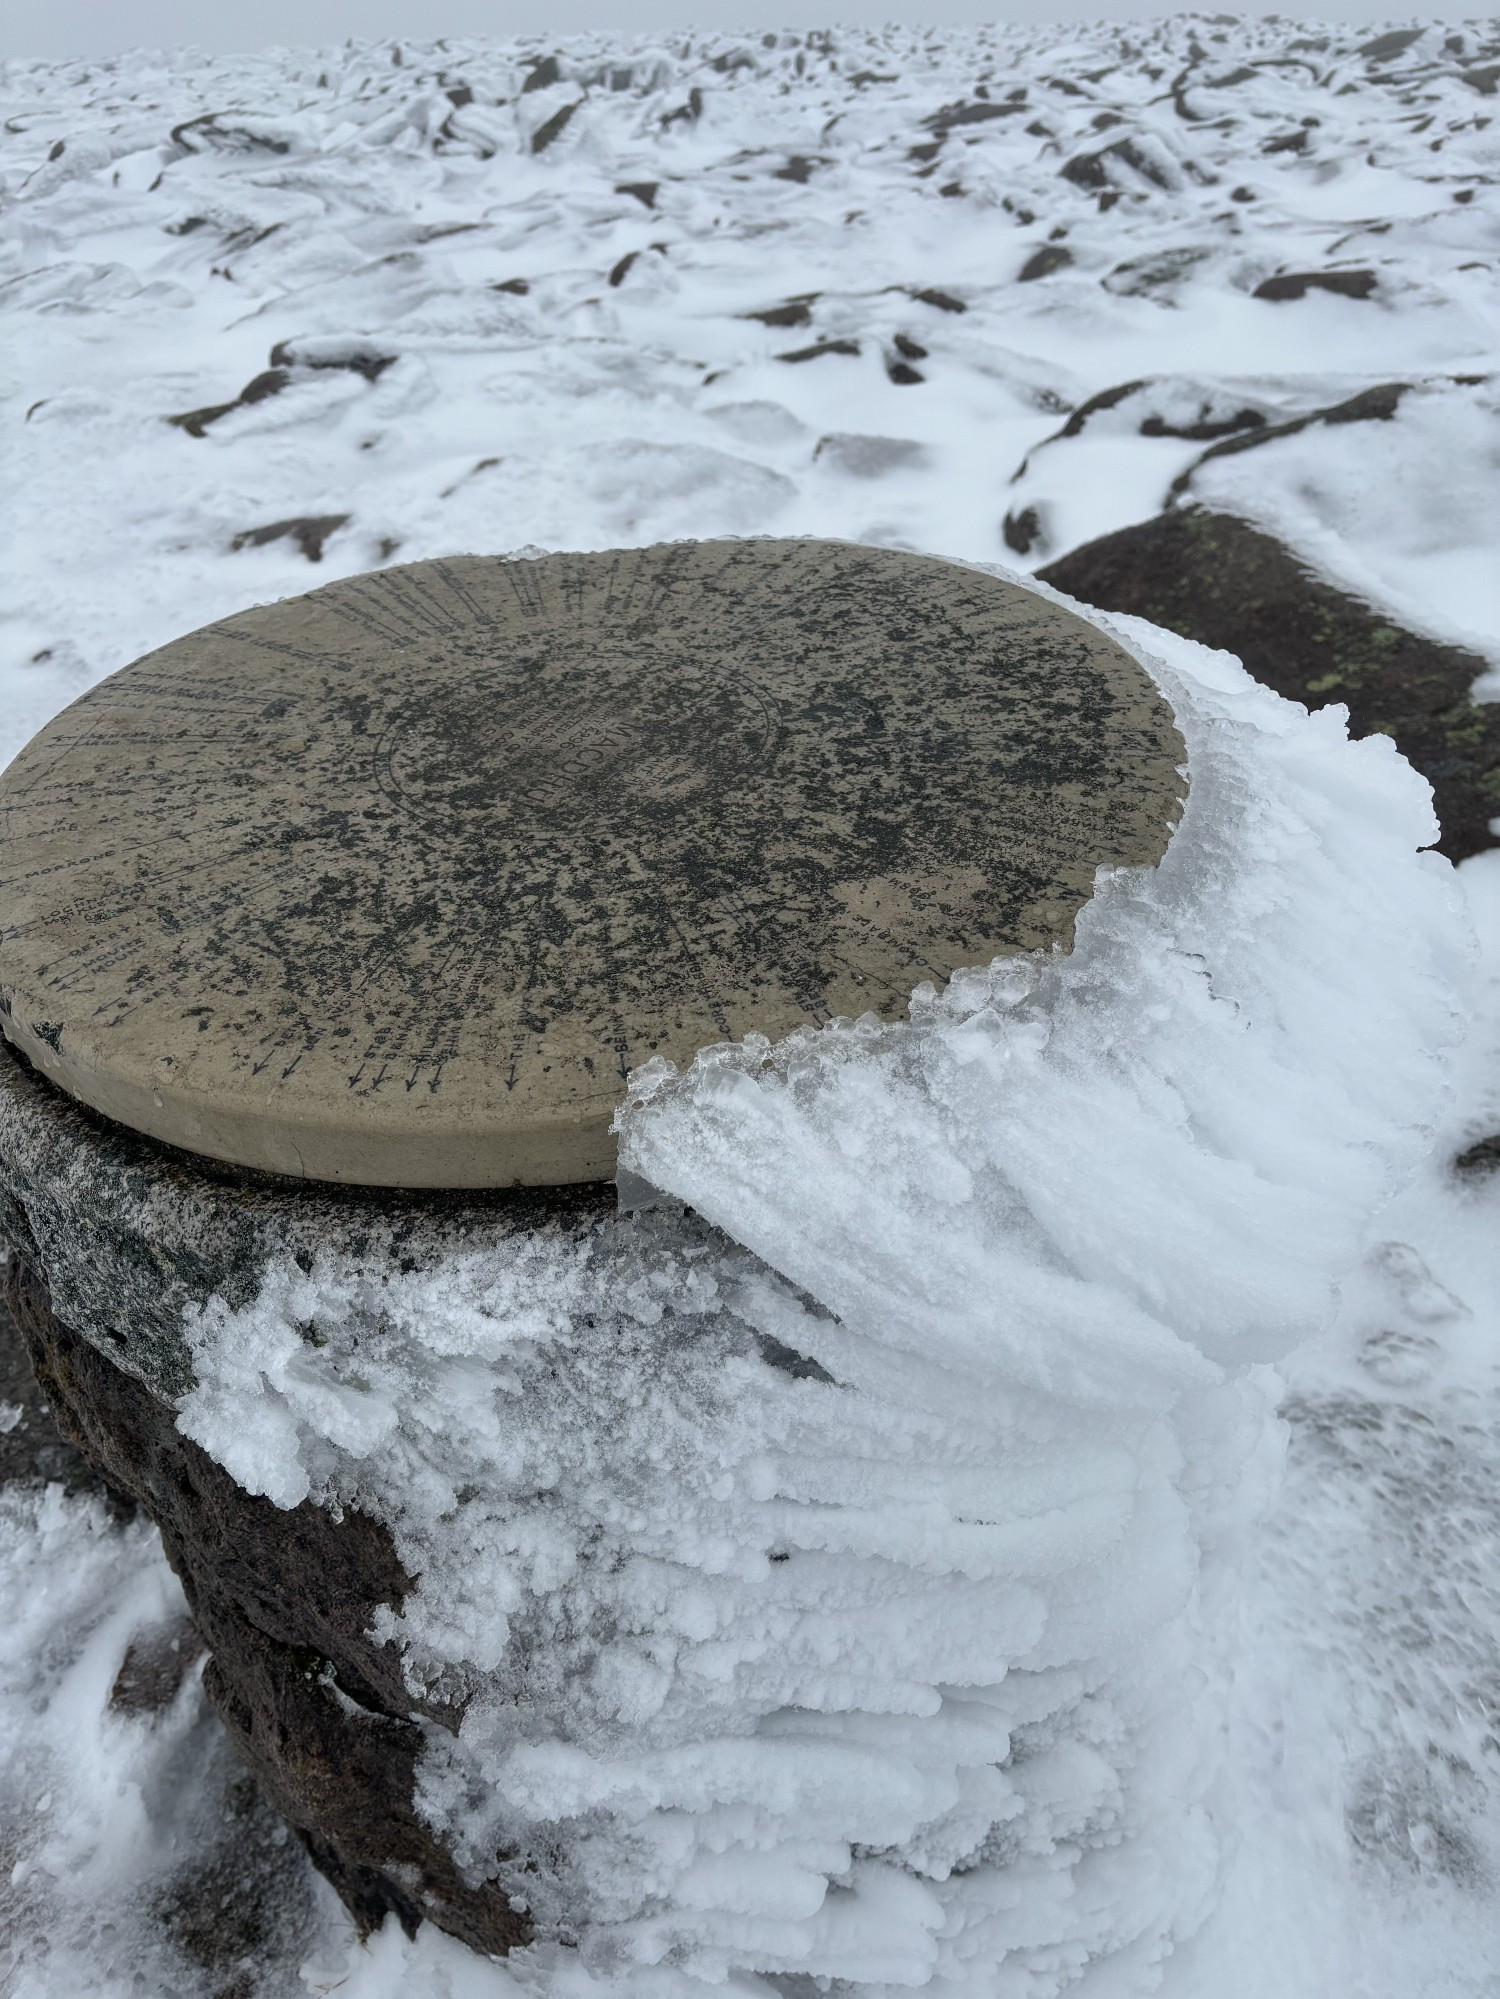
<point x="1219" y="580"/>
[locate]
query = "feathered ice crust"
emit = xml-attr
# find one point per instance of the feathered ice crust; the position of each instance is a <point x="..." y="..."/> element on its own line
<point x="844" y="1592"/>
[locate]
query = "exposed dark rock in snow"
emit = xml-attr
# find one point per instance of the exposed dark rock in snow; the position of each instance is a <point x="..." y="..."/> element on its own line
<point x="310" y="531"/>
<point x="1124" y="163"/>
<point x="796" y="312"/>
<point x="1373" y="405"/>
<point x="819" y="349"/>
<point x="545" y="73"/>
<point x="1043" y="262"/>
<point x="1141" y="277"/>
<point x="1206" y="429"/>
<point x="361" y="356"/>
<point x="953" y="115"/>
<point x="231" y="132"/>
<point x="1106" y="399"/>
<point x="685" y="114"/>
<point x="1386" y="47"/>
<point x="1023" y="530"/>
<point x="269" y="383"/>
<point x="1297" y="284"/>
<point x="292" y="360"/>
<point x="1217" y="579"/>
<point x="552" y="128"/>
<point x="1480" y="1159"/>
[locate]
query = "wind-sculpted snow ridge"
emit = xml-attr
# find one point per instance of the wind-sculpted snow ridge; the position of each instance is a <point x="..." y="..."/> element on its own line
<point x="838" y="1567"/>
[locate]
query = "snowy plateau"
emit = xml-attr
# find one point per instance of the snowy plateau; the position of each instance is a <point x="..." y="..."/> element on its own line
<point x="1137" y="1524"/>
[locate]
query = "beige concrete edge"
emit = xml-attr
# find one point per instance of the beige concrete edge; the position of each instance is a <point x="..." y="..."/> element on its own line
<point x="555" y="1156"/>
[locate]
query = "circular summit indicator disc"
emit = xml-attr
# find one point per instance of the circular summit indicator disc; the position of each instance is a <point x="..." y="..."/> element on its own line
<point x="394" y="883"/>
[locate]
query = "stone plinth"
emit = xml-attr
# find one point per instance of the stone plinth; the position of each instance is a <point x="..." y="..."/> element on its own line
<point x="392" y="886"/>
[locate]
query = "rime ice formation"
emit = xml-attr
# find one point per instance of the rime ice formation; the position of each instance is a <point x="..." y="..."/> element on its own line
<point x="838" y="1570"/>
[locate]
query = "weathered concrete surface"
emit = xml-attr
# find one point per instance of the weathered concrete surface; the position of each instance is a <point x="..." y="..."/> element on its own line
<point x="392" y="884"/>
<point x="1215" y="578"/>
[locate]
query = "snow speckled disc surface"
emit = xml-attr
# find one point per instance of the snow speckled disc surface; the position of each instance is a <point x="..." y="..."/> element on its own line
<point x="395" y="882"/>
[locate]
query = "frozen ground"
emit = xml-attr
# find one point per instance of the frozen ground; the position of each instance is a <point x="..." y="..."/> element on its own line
<point x="413" y="300"/>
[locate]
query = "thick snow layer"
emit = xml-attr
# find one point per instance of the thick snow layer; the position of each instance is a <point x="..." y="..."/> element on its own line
<point x="1057" y="1242"/>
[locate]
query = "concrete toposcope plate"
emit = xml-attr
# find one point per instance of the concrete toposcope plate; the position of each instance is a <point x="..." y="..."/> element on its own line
<point x="394" y="883"/>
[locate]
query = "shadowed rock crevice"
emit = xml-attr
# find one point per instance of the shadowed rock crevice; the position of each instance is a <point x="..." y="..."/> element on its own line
<point x="1216" y="579"/>
<point x="33" y="1451"/>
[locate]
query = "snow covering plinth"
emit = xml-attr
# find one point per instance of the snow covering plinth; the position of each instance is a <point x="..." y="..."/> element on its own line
<point x="834" y="1562"/>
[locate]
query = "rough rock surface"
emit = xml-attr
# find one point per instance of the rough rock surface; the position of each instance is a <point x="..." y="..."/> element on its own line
<point x="33" y="1451"/>
<point x="282" y="1598"/>
<point x="129" y="1232"/>
<point x="1215" y="578"/>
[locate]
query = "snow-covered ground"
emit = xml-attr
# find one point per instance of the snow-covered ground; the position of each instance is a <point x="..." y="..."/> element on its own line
<point x="407" y="300"/>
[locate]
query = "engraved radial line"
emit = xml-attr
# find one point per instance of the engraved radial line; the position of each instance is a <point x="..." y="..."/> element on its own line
<point x="460" y="591"/>
<point x="240" y="637"/>
<point x="355" y="614"/>
<point x="419" y="606"/>
<point x="524" y="585"/>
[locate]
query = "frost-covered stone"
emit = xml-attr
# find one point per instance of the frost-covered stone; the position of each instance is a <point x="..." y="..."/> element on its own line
<point x="829" y="1571"/>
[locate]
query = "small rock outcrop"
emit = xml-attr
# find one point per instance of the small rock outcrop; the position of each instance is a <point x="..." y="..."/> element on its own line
<point x="1219" y="580"/>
